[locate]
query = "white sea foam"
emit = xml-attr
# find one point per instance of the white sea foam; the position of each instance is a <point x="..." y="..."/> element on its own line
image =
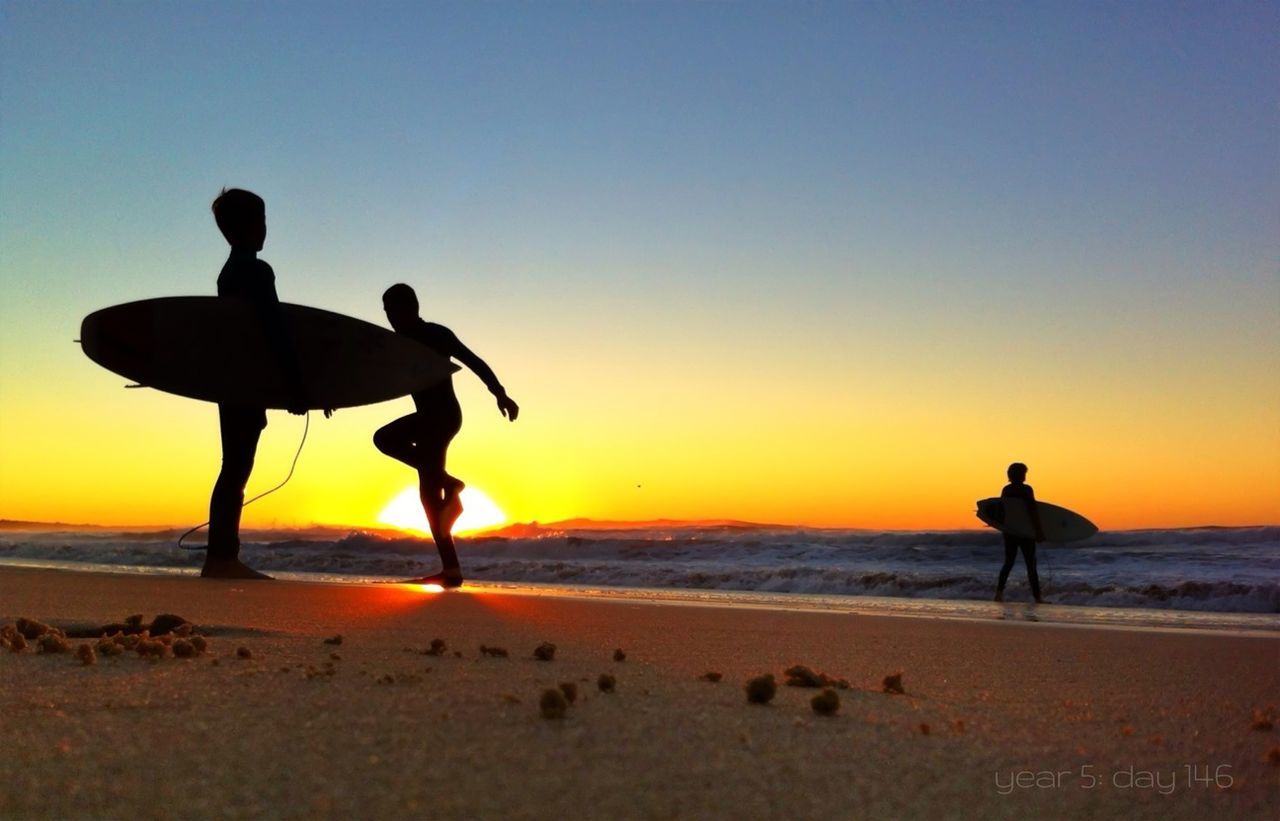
<point x="1229" y="570"/>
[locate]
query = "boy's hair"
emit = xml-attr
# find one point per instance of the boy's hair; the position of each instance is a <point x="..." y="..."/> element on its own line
<point x="1016" y="471"/>
<point x="236" y="210"/>
<point x="400" y="294"/>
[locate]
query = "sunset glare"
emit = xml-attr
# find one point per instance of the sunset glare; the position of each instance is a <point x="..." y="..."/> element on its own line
<point x="405" y="512"/>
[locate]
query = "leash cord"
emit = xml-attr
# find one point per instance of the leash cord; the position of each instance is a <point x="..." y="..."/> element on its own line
<point x="306" y="427"/>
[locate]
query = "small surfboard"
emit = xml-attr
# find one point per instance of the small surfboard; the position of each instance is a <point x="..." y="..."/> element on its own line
<point x="1011" y="515"/>
<point x="216" y="349"/>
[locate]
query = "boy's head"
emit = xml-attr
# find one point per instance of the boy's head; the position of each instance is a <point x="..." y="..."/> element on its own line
<point x="242" y="217"/>
<point x="1017" y="472"/>
<point x="401" y="305"/>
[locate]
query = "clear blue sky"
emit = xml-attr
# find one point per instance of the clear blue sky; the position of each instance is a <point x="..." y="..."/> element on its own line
<point x="880" y="195"/>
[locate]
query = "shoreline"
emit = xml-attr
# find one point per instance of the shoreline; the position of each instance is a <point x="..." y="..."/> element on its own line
<point x="989" y="710"/>
<point x="1119" y="618"/>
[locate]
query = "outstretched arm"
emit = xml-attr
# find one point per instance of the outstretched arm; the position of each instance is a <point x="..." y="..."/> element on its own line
<point x="506" y="405"/>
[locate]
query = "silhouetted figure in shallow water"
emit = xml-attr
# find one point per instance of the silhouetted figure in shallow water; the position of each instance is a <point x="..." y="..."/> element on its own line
<point x="421" y="440"/>
<point x="242" y="217"/>
<point x="1018" y="489"/>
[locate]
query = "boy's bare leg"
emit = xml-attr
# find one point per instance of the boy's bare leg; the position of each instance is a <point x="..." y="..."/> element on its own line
<point x="440" y="517"/>
<point x="240" y="429"/>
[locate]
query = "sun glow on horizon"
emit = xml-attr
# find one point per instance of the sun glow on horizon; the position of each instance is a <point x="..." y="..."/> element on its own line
<point x="478" y="512"/>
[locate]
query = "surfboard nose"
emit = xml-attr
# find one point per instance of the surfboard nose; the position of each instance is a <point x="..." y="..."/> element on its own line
<point x="118" y="339"/>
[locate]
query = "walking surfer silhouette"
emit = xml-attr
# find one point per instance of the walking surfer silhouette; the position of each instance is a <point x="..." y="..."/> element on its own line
<point x="1019" y="490"/>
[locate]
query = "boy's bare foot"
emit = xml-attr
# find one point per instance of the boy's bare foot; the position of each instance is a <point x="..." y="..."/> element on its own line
<point x="229" y="569"/>
<point x="450" y="510"/>
<point x="444" y="579"/>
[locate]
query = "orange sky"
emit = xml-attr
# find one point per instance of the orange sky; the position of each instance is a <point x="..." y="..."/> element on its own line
<point x="756" y="446"/>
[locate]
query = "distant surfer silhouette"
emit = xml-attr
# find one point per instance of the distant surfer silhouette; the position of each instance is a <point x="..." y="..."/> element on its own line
<point x="1020" y="490"/>
<point x="242" y="217"/>
<point x="421" y="440"/>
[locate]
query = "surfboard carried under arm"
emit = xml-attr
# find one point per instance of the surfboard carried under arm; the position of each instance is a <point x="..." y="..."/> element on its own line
<point x="1011" y="515"/>
<point x="218" y="349"/>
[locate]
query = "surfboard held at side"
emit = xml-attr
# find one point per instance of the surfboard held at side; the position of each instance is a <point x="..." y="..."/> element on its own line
<point x="218" y="350"/>
<point x="1012" y="516"/>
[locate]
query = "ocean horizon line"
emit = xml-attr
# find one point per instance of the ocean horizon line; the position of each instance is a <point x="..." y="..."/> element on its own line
<point x="531" y="528"/>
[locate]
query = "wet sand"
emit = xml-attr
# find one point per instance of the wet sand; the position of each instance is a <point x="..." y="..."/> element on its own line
<point x="1000" y="719"/>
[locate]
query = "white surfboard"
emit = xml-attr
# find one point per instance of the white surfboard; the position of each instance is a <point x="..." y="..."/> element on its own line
<point x="1012" y="516"/>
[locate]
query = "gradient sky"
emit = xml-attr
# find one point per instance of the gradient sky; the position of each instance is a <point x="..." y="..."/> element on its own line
<point x="830" y="264"/>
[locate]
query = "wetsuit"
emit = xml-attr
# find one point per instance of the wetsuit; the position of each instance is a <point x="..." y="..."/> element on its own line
<point x="1012" y="544"/>
<point x="421" y="440"/>
<point x="244" y="276"/>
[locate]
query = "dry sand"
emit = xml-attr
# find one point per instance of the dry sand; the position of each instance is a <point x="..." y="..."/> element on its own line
<point x="1160" y="721"/>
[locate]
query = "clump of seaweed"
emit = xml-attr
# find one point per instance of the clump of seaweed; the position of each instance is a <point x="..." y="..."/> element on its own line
<point x="553" y="704"/>
<point x="711" y="676"/>
<point x="1263" y="719"/>
<point x="493" y="652"/>
<point x="437" y="648"/>
<point x="893" y="684"/>
<point x="606" y="683"/>
<point x="167" y="623"/>
<point x="570" y="691"/>
<point x="53" y="642"/>
<point x="619" y="655"/>
<point x="152" y="648"/>
<point x="86" y="654"/>
<point x="162" y="625"/>
<point x="799" y="675"/>
<point x="335" y="640"/>
<point x="761" y="689"/>
<point x="545" y="651"/>
<point x="244" y="652"/>
<point x="30" y="629"/>
<point x="184" y="649"/>
<point x="826" y="703"/>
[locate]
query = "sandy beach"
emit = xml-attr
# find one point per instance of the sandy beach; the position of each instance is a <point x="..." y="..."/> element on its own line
<point x="999" y="719"/>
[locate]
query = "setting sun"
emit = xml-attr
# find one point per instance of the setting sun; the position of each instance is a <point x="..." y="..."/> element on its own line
<point x="478" y="512"/>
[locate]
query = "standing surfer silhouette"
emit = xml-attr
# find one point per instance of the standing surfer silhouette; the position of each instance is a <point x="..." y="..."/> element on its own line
<point x="1020" y="490"/>
<point x="421" y="440"/>
<point x="242" y="217"/>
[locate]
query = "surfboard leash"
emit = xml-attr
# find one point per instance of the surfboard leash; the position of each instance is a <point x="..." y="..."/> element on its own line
<point x="305" y="428"/>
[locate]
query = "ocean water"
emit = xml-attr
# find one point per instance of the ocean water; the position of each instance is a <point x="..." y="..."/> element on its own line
<point x="1197" y="570"/>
